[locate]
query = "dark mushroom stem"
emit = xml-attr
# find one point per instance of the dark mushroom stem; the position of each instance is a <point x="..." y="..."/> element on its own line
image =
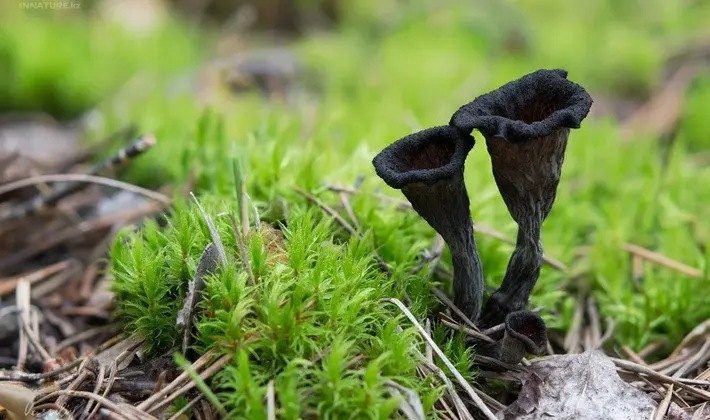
<point x="525" y="333"/>
<point x="428" y="167"/>
<point x="526" y="124"/>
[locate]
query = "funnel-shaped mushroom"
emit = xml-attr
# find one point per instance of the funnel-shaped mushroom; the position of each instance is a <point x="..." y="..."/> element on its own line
<point x="525" y="333"/>
<point x="428" y="167"/>
<point x="526" y="124"/>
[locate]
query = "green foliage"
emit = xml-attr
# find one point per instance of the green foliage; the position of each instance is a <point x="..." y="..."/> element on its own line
<point x="313" y="322"/>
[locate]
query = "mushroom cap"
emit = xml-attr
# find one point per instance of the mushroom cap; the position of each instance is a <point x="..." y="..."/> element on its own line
<point x="426" y="156"/>
<point x="528" y="328"/>
<point x="532" y="106"/>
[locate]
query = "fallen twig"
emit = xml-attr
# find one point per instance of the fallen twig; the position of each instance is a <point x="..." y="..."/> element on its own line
<point x="9" y="284"/>
<point x="97" y="387"/>
<point x="111" y="379"/>
<point x="662" y="409"/>
<point x="42" y="202"/>
<point x="153" y="400"/>
<point x="186" y="407"/>
<point x="446" y="301"/>
<point x="468" y="331"/>
<point x="71" y="232"/>
<point x="662" y="260"/>
<point x="698" y="359"/>
<point x="270" y="401"/>
<point x="466" y="386"/>
<point x="644" y="370"/>
<point x="22" y="294"/>
<point x="211" y="370"/>
<point x="92" y="179"/>
<point x="123" y="411"/>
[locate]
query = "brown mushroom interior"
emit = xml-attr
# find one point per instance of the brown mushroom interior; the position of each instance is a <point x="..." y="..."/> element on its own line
<point x="538" y="108"/>
<point x="433" y="154"/>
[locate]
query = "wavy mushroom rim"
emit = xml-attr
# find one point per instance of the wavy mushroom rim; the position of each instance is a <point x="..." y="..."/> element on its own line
<point x="397" y="166"/>
<point x="535" y="105"/>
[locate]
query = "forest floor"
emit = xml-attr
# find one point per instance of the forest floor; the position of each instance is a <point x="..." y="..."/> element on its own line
<point x="168" y="157"/>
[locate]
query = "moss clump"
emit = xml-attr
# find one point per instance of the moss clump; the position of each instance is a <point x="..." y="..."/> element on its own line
<point x="313" y="321"/>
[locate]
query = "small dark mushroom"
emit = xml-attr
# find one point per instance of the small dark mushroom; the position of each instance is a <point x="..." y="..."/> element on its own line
<point x="428" y="167"/>
<point x="525" y="333"/>
<point x="526" y="124"/>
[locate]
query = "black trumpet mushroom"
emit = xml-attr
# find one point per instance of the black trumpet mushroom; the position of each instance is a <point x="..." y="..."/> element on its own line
<point x="526" y="124"/>
<point x="428" y="167"/>
<point x="525" y="333"/>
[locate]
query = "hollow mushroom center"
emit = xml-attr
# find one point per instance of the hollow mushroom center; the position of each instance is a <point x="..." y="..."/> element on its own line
<point x="433" y="154"/>
<point x="539" y="107"/>
<point x="537" y="111"/>
<point x="529" y="330"/>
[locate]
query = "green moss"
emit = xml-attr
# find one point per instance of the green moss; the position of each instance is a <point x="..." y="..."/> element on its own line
<point x="313" y="322"/>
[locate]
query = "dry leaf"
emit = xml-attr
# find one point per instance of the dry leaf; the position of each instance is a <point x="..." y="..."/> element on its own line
<point x="578" y="386"/>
